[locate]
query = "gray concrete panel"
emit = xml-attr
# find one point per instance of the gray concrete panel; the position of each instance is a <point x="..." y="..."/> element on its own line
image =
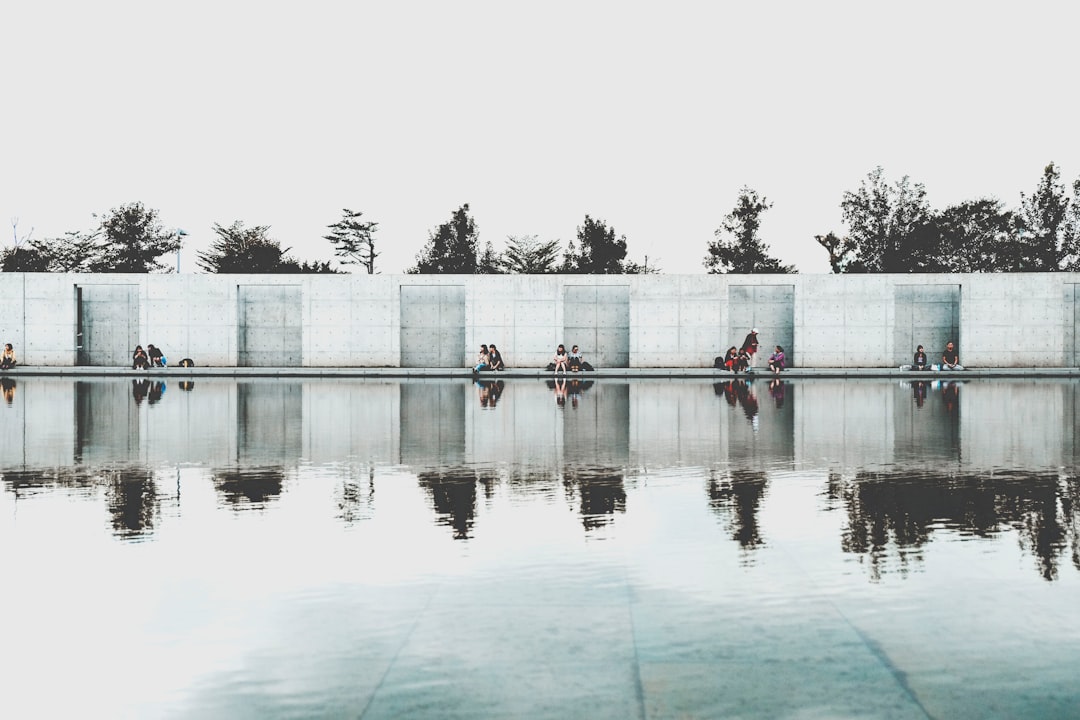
<point x="433" y="326"/>
<point x="270" y="330"/>
<point x="927" y="315"/>
<point x="432" y="425"/>
<point x="108" y="319"/>
<point x="770" y="309"/>
<point x="597" y="318"/>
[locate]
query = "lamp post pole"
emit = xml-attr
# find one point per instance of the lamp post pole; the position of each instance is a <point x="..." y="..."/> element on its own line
<point x="180" y="232"/>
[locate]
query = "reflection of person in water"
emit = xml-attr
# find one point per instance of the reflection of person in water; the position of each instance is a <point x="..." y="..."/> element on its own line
<point x="950" y="393"/>
<point x="139" y="390"/>
<point x="776" y="391"/>
<point x="157" y="389"/>
<point x="560" y="392"/>
<point x="187" y="385"/>
<point x="9" y="389"/>
<point x="918" y="392"/>
<point x="748" y="400"/>
<point x="489" y="391"/>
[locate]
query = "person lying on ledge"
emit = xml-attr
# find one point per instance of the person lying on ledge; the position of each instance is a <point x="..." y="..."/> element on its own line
<point x="950" y="359"/>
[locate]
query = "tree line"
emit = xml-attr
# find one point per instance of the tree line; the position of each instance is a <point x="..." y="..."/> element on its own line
<point x="890" y="227"/>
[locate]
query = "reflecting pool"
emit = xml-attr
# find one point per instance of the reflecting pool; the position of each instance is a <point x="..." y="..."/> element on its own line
<point x="532" y="549"/>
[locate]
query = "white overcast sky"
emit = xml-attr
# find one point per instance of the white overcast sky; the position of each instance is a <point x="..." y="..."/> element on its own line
<point x="650" y="116"/>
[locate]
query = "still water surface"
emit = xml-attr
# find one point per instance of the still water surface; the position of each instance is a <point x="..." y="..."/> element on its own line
<point x="532" y="549"/>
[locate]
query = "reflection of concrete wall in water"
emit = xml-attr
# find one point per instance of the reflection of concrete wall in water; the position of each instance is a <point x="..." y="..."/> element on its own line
<point x="35" y="431"/>
<point x="597" y="318"/>
<point x="845" y="424"/>
<point x="1012" y="424"/>
<point x="106" y="422"/>
<point x="927" y="315"/>
<point x="108" y="321"/>
<point x="521" y="430"/>
<point x="269" y="423"/>
<point x="597" y="432"/>
<point x="926" y="422"/>
<point x="770" y="309"/>
<point x="432" y="424"/>
<point x="731" y="424"/>
<point x="270" y="326"/>
<point x="354" y="422"/>
<point x="433" y="326"/>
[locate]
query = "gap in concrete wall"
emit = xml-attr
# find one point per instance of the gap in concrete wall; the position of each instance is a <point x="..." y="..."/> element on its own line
<point x="108" y="319"/>
<point x="927" y="315"/>
<point x="770" y="309"/>
<point x="597" y="318"/>
<point x="270" y="332"/>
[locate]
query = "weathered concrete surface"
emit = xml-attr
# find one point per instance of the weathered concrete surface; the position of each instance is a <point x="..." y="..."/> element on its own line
<point x="655" y="321"/>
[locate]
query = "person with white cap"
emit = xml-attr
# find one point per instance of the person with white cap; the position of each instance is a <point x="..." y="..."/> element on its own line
<point x="750" y="345"/>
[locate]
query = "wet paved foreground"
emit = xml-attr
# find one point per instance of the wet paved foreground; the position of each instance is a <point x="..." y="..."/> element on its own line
<point x="806" y="549"/>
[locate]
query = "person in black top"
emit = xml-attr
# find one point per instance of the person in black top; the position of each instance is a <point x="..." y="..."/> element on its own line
<point x="750" y="346"/>
<point x="139" y="361"/>
<point x="155" y="355"/>
<point x="495" y="361"/>
<point x="919" y="361"/>
<point x="950" y="359"/>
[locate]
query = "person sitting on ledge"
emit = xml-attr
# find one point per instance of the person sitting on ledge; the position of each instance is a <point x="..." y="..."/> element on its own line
<point x="482" y="360"/>
<point x="139" y="361"/>
<point x="950" y="359"/>
<point x="156" y="357"/>
<point x="918" y="362"/>
<point x="560" y="359"/>
<point x="7" y="359"/>
<point x="495" y="361"/>
<point x="577" y="361"/>
<point x="777" y="361"/>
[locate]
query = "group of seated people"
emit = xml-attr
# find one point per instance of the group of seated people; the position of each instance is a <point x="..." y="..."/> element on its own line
<point x="950" y="359"/>
<point x="572" y="361"/>
<point x="737" y="361"/>
<point x="150" y="357"/>
<point x="489" y="359"/>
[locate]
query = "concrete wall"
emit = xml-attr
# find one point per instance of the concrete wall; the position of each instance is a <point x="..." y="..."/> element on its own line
<point x="1002" y="320"/>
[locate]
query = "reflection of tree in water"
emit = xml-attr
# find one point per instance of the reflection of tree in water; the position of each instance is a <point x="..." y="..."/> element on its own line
<point x="453" y="494"/>
<point x="890" y="509"/>
<point x="249" y="487"/>
<point x="22" y="483"/>
<point x="736" y="498"/>
<point x="133" y="501"/>
<point x="601" y="493"/>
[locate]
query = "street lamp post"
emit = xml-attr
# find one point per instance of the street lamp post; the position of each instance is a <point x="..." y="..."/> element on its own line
<point x="180" y="232"/>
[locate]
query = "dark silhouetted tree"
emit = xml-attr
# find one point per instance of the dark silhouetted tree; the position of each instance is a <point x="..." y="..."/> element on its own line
<point x="490" y="262"/>
<point x="133" y="240"/>
<point x="354" y="240"/>
<point x="888" y="225"/>
<point x="238" y="249"/>
<point x="736" y="247"/>
<point x="975" y="236"/>
<point x="597" y="251"/>
<point x="1044" y="240"/>
<point x="527" y="255"/>
<point x="451" y="247"/>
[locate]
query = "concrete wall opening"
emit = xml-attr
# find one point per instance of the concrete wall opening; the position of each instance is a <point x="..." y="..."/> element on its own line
<point x="270" y="327"/>
<point x="107" y="324"/>
<point x="927" y="315"/>
<point x="597" y="318"/>
<point x="770" y="309"/>
<point x="433" y="326"/>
